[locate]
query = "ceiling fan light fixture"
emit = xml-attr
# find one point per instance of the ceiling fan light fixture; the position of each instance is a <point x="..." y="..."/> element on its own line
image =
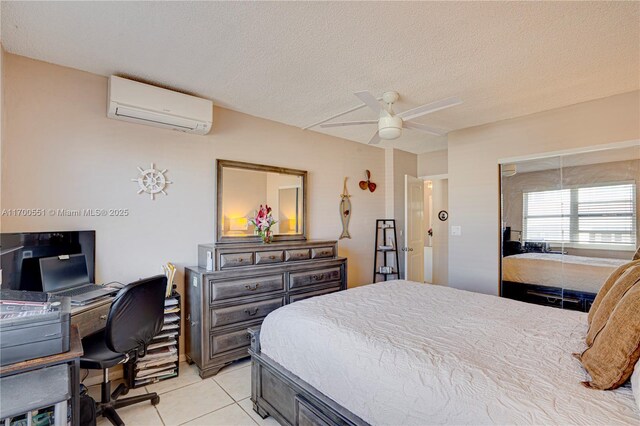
<point x="390" y="128"/>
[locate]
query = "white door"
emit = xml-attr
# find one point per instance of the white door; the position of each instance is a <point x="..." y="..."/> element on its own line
<point x="414" y="228"/>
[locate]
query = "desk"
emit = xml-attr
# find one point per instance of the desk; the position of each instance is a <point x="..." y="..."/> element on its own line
<point x="92" y="317"/>
<point x="27" y="374"/>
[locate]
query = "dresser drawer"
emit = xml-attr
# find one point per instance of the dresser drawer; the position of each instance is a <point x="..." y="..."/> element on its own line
<point x="542" y="297"/>
<point x="319" y="253"/>
<point x="264" y="257"/>
<point x="91" y="320"/>
<point x="221" y="290"/>
<point x="232" y="260"/>
<point x="224" y="342"/>
<point x="244" y="312"/>
<point x="298" y="254"/>
<point x="302" y="279"/>
<point x="307" y="415"/>
<point x="309" y="294"/>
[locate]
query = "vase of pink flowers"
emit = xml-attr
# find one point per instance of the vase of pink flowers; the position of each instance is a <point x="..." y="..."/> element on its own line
<point x="263" y="221"/>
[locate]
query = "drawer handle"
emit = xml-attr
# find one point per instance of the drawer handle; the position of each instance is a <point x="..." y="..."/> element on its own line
<point x="240" y="260"/>
<point x="250" y="288"/>
<point x="272" y="257"/>
<point x="103" y="317"/>
<point x="192" y="323"/>
<point x="318" y="277"/>
<point x="251" y="312"/>
<point x="550" y="299"/>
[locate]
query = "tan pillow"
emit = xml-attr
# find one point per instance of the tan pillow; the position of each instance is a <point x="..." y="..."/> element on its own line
<point x="616" y="292"/>
<point x="636" y="256"/>
<point x="616" y="349"/>
<point x="607" y="286"/>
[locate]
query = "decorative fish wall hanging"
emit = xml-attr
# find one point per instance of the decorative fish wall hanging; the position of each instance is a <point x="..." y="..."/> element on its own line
<point x="345" y="211"/>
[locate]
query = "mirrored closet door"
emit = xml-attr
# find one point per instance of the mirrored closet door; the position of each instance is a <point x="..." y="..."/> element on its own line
<point x="567" y="222"/>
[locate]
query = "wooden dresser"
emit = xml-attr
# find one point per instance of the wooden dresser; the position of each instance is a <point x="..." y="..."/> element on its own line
<point x="247" y="282"/>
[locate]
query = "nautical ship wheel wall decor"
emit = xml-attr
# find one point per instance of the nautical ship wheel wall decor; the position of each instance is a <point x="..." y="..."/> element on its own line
<point x="152" y="181"/>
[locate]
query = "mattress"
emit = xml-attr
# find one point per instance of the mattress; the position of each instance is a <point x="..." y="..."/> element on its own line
<point x="400" y="352"/>
<point x="556" y="270"/>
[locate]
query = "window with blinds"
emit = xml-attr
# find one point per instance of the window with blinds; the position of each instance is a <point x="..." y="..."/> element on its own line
<point x="585" y="215"/>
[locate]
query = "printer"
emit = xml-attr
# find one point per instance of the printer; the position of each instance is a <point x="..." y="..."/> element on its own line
<point x="32" y="325"/>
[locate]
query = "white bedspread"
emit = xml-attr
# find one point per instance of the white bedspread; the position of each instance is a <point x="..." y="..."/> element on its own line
<point x="400" y="353"/>
<point x="555" y="270"/>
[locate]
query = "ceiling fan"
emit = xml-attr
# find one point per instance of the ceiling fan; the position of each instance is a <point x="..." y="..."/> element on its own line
<point x="389" y="123"/>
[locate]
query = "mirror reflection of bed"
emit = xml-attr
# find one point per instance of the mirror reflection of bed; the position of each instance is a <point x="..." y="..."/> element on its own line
<point x="567" y="222"/>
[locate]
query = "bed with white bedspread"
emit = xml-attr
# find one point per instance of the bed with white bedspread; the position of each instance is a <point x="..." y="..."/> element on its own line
<point x="578" y="273"/>
<point x="400" y="353"/>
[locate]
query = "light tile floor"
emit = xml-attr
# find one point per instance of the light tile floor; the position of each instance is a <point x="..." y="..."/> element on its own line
<point x="222" y="400"/>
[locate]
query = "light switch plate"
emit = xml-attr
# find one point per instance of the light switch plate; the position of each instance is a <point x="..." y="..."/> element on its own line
<point x="456" y="231"/>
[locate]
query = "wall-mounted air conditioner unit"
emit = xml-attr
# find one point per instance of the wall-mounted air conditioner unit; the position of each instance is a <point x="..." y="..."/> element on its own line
<point x="154" y="106"/>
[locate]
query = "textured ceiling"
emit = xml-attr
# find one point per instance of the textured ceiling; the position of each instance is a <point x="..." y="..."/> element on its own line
<point x="298" y="63"/>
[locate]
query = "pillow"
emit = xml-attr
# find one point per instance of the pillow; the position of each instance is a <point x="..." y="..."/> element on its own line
<point x="607" y="286"/>
<point x="611" y="359"/>
<point x="635" y="383"/>
<point x="636" y="256"/>
<point x="608" y="303"/>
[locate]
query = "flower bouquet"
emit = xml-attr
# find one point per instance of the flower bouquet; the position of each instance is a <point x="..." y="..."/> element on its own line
<point x="263" y="221"/>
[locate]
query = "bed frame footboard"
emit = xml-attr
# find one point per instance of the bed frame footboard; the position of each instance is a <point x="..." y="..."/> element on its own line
<point x="277" y="392"/>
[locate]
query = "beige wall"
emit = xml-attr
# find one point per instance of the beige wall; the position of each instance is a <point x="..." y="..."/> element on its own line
<point x="2" y="54"/>
<point x="61" y="151"/>
<point x="433" y="163"/>
<point x="473" y="173"/>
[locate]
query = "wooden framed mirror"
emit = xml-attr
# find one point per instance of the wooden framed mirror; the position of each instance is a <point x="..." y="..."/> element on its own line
<point x="240" y="190"/>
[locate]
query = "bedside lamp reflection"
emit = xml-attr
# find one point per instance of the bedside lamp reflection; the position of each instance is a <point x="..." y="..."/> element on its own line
<point x="238" y="224"/>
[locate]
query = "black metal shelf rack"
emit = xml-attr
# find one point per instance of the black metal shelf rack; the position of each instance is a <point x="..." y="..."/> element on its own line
<point x="386" y="257"/>
<point x="163" y="361"/>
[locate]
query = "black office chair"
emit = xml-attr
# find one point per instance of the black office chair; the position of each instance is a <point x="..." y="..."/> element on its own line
<point x="135" y="317"/>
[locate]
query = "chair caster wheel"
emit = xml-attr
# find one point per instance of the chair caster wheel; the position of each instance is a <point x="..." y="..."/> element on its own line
<point x="125" y="391"/>
<point x="155" y="401"/>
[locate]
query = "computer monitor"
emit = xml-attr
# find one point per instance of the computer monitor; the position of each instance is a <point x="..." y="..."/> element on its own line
<point x="62" y="272"/>
<point x="20" y="255"/>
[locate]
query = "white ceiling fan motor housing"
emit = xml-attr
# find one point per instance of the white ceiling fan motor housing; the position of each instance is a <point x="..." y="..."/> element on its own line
<point x="390" y="127"/>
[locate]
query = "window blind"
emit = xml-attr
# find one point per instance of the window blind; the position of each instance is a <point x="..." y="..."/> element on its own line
<point x="604" y="214"/>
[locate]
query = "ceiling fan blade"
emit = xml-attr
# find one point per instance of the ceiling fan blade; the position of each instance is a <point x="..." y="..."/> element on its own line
<point x="369" y="100"/>
<point x="424" y="128"/>
<point x="349" y="123"/>
<point x="375" y="140"/>
<point x="412" y="113"/>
